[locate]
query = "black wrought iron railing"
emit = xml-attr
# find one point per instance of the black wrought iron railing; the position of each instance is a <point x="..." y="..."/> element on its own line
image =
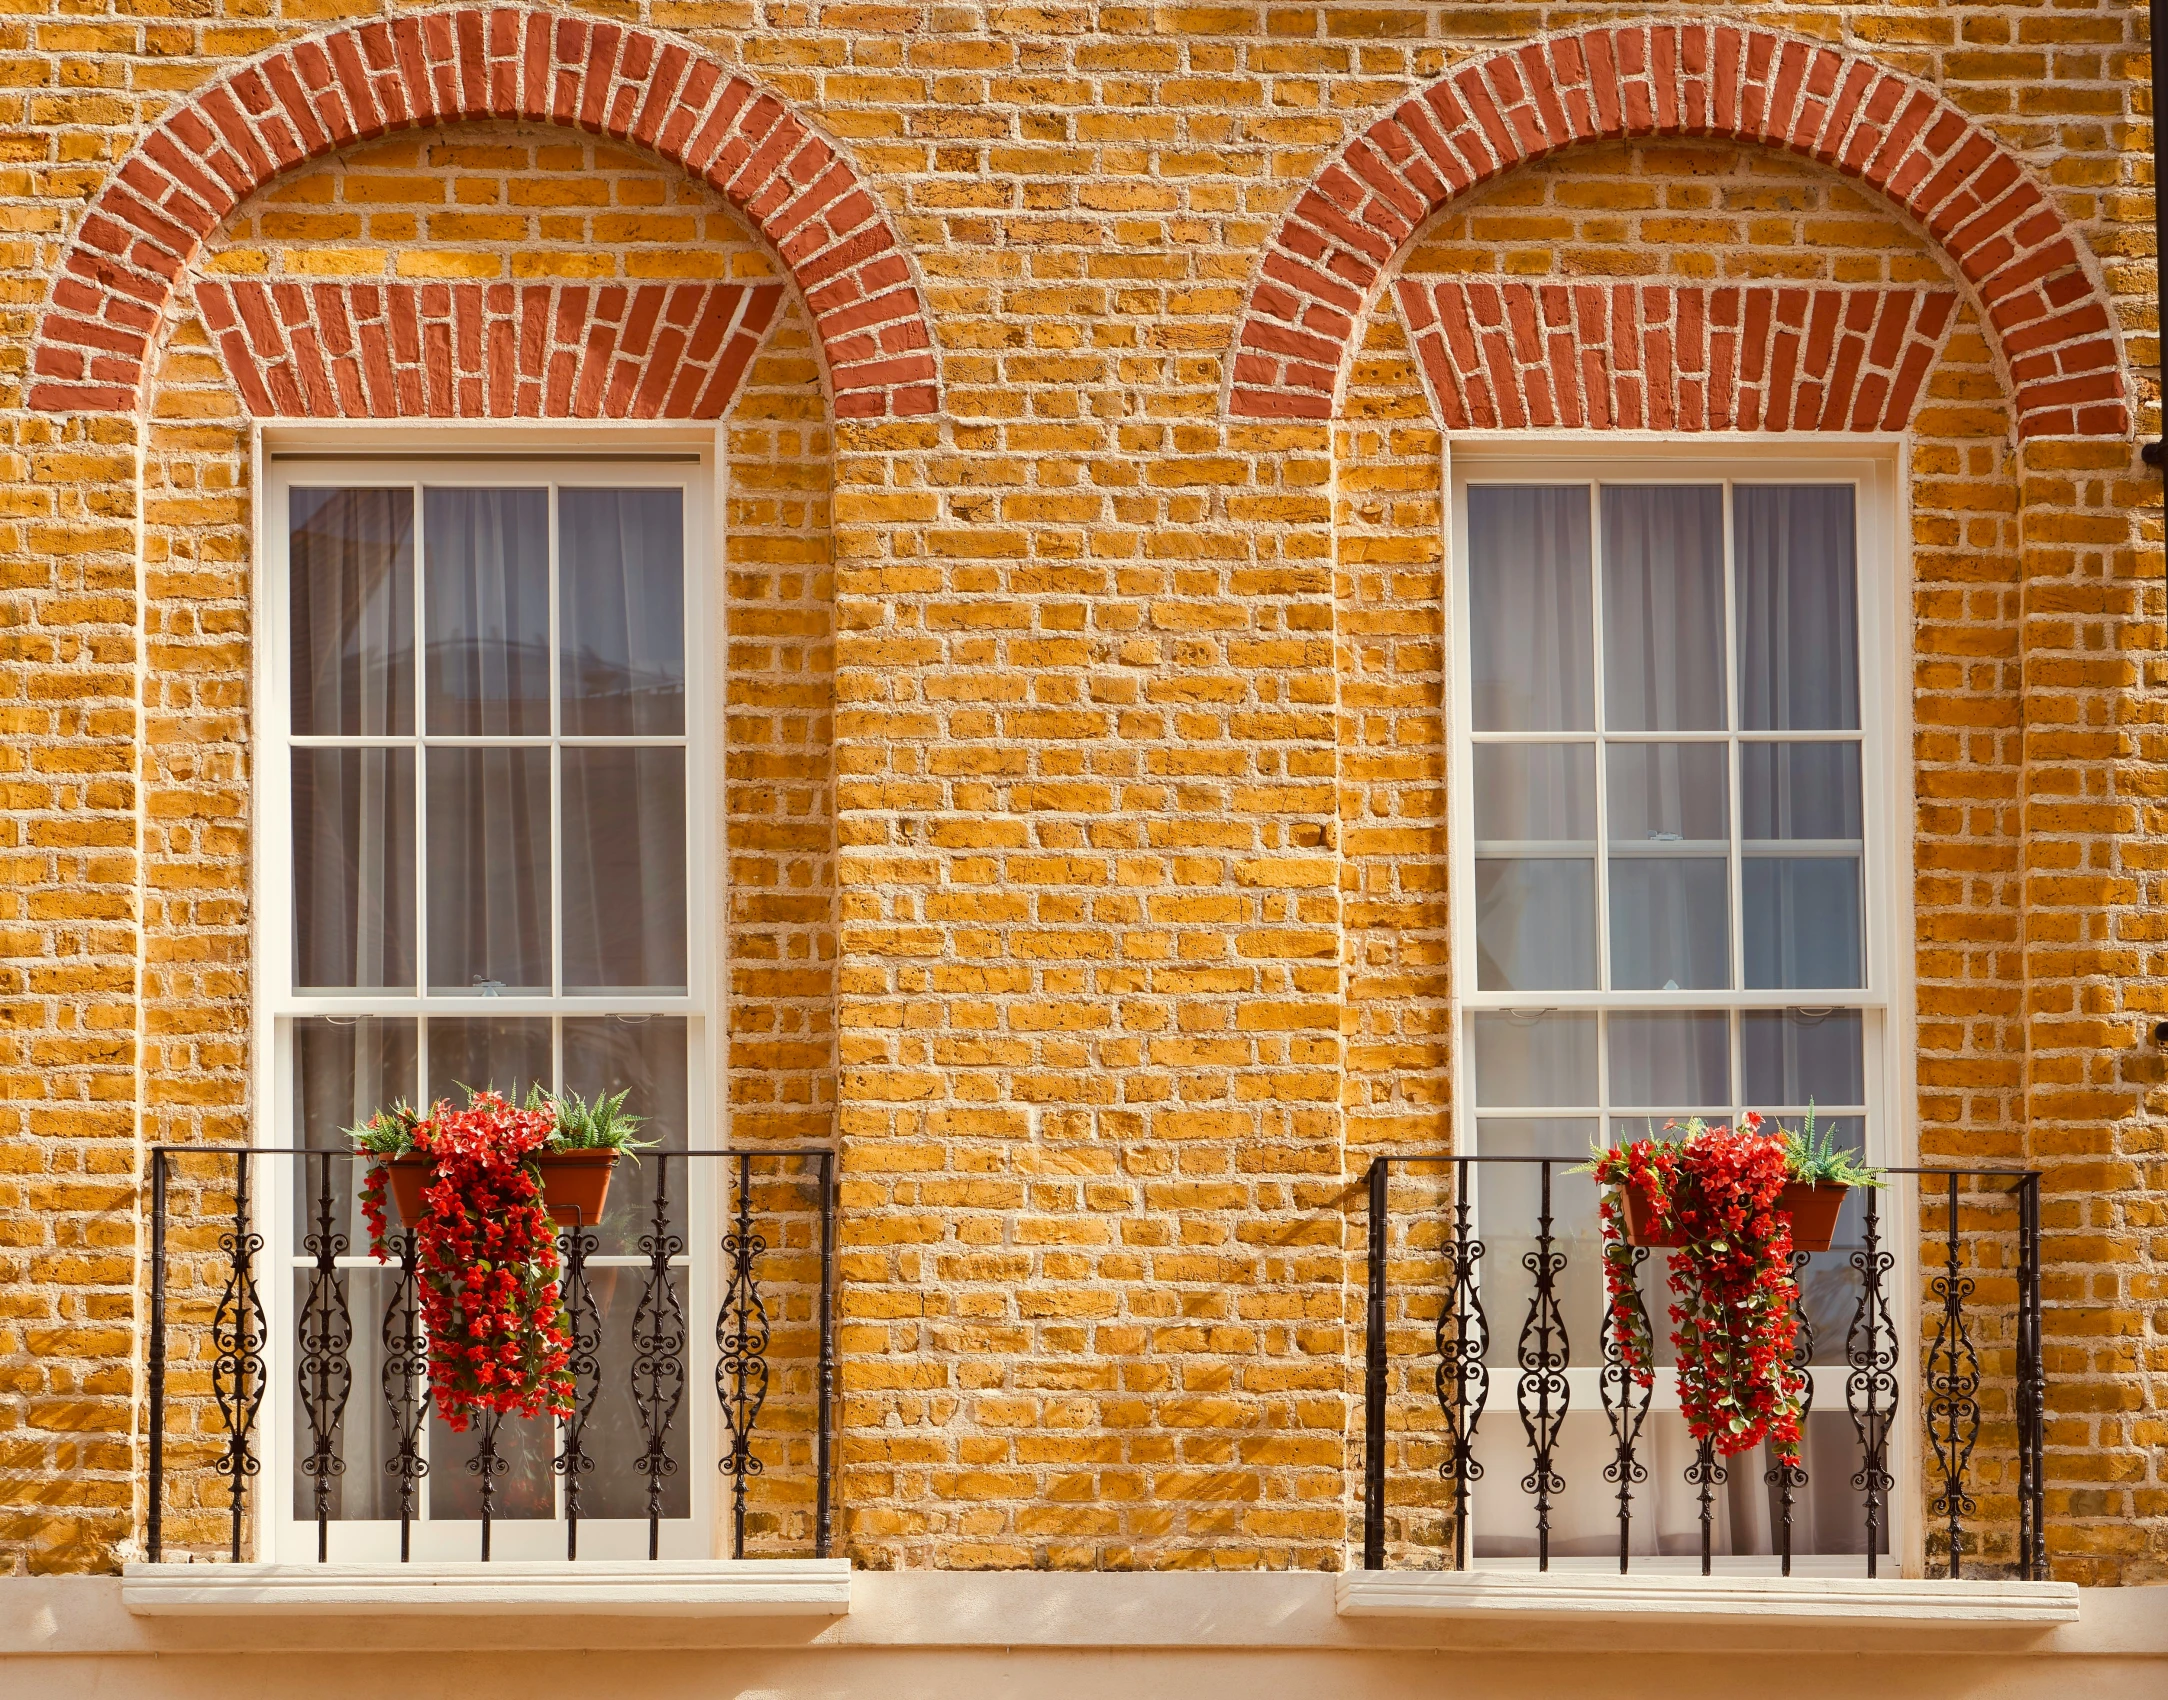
<point x="755" y="1230"/>
<point x="1919" y="1341"/>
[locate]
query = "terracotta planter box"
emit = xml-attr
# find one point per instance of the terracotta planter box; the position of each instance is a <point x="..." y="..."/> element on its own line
<point x="1813" y="1210"/>
<point x="1641" y="1226"/>
<point x="575" y="1185"/>
<point x="1814" y="1214"/>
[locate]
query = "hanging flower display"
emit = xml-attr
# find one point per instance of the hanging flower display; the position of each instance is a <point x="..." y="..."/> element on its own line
<point x="1718" y="1195"/>
<point x="486" y="1256"/>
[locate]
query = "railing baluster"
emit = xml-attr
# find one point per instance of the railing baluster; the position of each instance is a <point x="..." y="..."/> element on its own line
<point x="1625" y="1405"/>
<point x="1543" y="1358"/>
<point x="2031" y="1390"/>
<point x="1953" y="1386"/>
<point x="326" y="1334"/>
<point x="579" y="1243"/>
<point x="405" y="1361"/>
<point x="1463" y="1378"/>
<point x="1870" y="1389"/>
<point x="658" y="1347"/>
<point x="823" y="1535"/>
<point x="155" y="1533"/>
<point x="1374" y="1370"/>
<point x="1788" y="1479"/>
<point x="237" y="1336"/>
<point x="488" y="1465"/>
<point x="1705" y="1475"/>
<point x="741" y="1367"/>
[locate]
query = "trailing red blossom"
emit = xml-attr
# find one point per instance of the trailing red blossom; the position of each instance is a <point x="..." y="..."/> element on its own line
<point x="499" y="1338"/>
<point x="1735" y="1301"/>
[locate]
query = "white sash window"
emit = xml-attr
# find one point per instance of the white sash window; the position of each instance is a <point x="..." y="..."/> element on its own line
<point x="483" y="778"/>
<point x="1673" y="825"/>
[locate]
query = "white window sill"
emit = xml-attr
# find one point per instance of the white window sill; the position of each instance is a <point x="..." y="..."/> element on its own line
<point x="789" y="1587"/>
<point x="1423" y="1594"/>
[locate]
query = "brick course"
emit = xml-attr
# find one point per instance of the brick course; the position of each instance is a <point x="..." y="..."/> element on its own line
<point x="1085" y="762"/>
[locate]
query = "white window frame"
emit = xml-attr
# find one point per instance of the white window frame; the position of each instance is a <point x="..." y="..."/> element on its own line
<point x="1874" y="464"/>
<point x="407" y="452"/>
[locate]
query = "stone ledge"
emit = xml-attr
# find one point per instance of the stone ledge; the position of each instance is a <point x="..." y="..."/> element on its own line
<point x="806" y="1587"/>
<point x="1714" y="1599"/>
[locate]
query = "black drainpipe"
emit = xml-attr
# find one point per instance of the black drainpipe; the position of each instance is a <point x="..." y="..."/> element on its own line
<point x="2156" y="453"/>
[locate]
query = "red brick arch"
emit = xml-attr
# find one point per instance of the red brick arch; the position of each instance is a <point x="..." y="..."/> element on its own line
<point x="1695" y="78"/>
<point x="308" y="97"/>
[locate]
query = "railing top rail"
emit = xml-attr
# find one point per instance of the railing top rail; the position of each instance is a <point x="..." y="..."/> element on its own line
<point x="645" y="1151"/>
<point x="1388" y="1158"/>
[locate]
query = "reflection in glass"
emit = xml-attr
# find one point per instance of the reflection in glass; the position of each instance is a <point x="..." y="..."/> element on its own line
<point x="489" y="869"/>
<point x="1798" y="607"/>
<point x="1536" y="792"/>
<point x="353" y="849"/>
<point x="1796" y="1057"/>
<point x="624" y="869"/>
<point x="506" y="1056"/>
<point x="1531" y="608"/>
<point x="1534" y="1060"/>
<point x="486" y="611"/>
<point x="350" y="602"/>
<point x="526" y="1491"/>
<point x="1508" y="1209"/>
<point x="1799" y="791"/>
<point x="621" y="610"/>
<point x="1662" y="793"/>
<point x="1663" y="607"/>
<point x="1535" y="925"/>
<point x="346" y="1068"/>
<point x="1802" y="922"/>
<point x="1671" y="1057"/>
<point x="1670" y="923"/>
<point x="644" y="1057"/>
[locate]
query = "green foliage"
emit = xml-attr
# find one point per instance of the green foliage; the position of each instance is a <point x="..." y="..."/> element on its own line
<point x="1816" y="1159"/>
<point x="388" y="1134"/>
<point x="600" y="1125"/>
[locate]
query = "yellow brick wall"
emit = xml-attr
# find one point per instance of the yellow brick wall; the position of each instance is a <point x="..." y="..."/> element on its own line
<point x="1086" y="776"/>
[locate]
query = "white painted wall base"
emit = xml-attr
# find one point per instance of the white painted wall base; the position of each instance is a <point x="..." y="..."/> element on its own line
<point x="675" y="1588"/>
<point x="1705" y="1599"/>
<point x="926" y="1635"/>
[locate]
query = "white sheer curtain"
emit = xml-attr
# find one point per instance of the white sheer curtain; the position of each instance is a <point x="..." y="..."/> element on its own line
<point x="350" y="601"/>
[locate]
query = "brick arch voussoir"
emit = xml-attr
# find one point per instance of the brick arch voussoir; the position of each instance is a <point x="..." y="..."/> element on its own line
<point x="306" y="98"/>
<point x="1330" y="255"/>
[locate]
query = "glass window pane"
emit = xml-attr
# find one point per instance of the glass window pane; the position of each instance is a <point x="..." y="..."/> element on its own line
<point x="644" y="1057"/>
<point x="353" y="847"/>
<point x="621" y="610"/>
<point x="367" y="1439"/>
<point x="486" y="611"/>
<point x="1670" y="927"/>
<point x="1802" y="921"/>
<point x="527" y="1489"/>
<point x="1509" y="1205"/>
<point x="1531" y="610"/>
<point x="1680" y="1057"/>
<point x="624" y="896"/>
<point x="479" y="1055"/>
<point x="345" y="1070"/>
<point x="1666" y="793"/>
<point x="1535" y="925"/>
<point x="350" y="611"/>
<point x="1799" y="791"/>
<point x="1534" y="1060"/>
<point x="1797" y="1056"/>
<point x="1798" y="607"/>
<point x="489" y="870"/>
<point x="1535" y="793"/>
<point x="1663" y="607"/>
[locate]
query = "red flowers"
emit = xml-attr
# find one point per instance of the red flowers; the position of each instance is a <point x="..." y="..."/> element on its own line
<point x="1734" y="1310"/>
<point x="499" y="1339"/>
